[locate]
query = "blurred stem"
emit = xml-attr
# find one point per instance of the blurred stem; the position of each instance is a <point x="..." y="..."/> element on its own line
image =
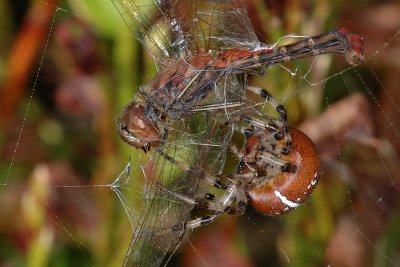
<point x="23" y="57"/>
<point x="40" y="248"/>
<point x="126" y="61"/>
<point x="35" y="214"/>
<point x="5" y="29"/>
<point x="324" y="218"/>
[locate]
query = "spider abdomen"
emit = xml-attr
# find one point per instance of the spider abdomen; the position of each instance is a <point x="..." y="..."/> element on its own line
<point x="293" y="184"/>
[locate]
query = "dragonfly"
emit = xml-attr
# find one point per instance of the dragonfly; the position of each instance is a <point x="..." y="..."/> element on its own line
<point x="185" y="117"/>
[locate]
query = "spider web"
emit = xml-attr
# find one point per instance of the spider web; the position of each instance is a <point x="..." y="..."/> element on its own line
<point x="68" y="204"/>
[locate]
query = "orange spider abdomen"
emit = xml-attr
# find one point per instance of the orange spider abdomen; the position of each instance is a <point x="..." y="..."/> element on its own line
<point x="288" y="189"/>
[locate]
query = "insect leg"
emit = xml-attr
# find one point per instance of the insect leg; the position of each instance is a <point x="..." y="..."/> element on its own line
<point x="219" y="206"/>
<point x="272" y="101"/>
<point x="210" y="202"/>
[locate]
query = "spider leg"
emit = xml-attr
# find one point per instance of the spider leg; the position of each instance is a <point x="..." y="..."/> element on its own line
<point x="271" y="100"/>
<point x="278" y="126"/>
<point x="209" y="201"/>
<point x="276" y="130"/>
<point x="219" y="208"/>
<point x="192" y="224"/>
<point x="218" y="205"/>
<point x="240" y="203"/>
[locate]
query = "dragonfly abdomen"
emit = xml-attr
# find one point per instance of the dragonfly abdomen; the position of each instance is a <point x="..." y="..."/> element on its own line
<point x="338" y="41"/>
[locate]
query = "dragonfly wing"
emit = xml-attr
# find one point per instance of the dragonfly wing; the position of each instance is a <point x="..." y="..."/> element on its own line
<point x="215" y="24"/>
<point x="154" y="26"/>
<point x="172" y="28"/>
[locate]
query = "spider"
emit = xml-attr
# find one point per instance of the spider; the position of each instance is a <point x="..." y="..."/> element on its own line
<point x="278" y="169"/>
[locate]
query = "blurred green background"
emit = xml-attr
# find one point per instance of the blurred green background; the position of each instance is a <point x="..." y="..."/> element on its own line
<point x="67" y="68"/>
